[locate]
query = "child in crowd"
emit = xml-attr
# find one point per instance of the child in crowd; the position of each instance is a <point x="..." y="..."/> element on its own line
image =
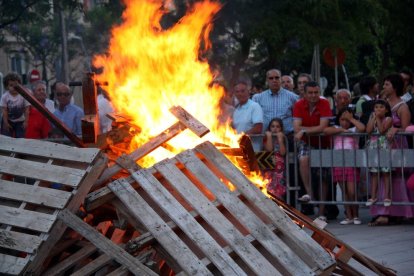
<point x="379" y="123"/>
<point x="347" y="176"/>
<point x="275" y="141"/>
<point x="15" y="108"/>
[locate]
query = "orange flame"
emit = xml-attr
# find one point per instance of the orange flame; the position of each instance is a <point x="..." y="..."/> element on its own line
<point x="150" y="69"/>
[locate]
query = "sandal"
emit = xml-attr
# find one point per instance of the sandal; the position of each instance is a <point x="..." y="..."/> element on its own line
<point x="371" y="202"/>
<point x="387" y="202"/>
<point x="304" y="198"/>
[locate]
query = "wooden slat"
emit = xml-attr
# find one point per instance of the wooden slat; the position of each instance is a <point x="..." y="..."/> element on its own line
<point x="47" y="149"/>
<point x="187" y="223"/>
<point x="70" y="261"/>
<point x="287" y="258"/>
<point x="93" y="171"/>
<point x="189" y="121"/>
<point x="93" y="266"/>
<point x="148" y="147"/>
<point x="12" y="265"/>
<point x="105" y="245"/>
<point x="34" y="194"/>
<point x="19" y="241"/>
<point x="42" y="171"/>
<point x="175" y="247"/>
<point x="26" y="219"/>
<point x="206" y="209"/>
<point x="297" y="239"/>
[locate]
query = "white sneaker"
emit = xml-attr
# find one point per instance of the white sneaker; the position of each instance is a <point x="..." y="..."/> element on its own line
<point x="346" y="221"/>
<point x="357" y="221"/>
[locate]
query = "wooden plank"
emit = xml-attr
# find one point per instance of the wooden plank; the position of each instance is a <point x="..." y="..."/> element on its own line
<point x="59" y="228"/>
<point x="187" y="223"/>
<point x="12" y="265"/>
<point x="289" y="260"/>
<point x="297" y="239"/>
<point x="105" y="245"/>
<point x="93" y="266"/>
<point x="19" y="241"/>
<point x="216" y="219"/>
<point x="70" y="261"/>
<point x="42" y="171"/>
<point x="189" y="121"/>
<point x="26" y="219"/>
<point x="34" y="194"/>
<point x="148" y="147"/>
<point x="90" y="128"/>
<point x="176" y="248"/>
<point x="47" y="149"/>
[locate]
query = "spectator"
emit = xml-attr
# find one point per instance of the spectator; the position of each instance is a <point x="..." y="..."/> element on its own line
<point x="287" y="83"/>
<point x="348" y="177"/>
<point x="248" y="115"/>
<point x="276" y="102"/>
<point x="275" y="141"/>
<point x="256" y="89"/>
<point x="68" y="113"/>
<point x="38" y="126"/>
<point x="303" y="79"/>
<point x="104" y="107"/>
<point x="15" y="109"/>
<point x="407" y="77"/>
<point x="311" y="115"/>
<point x="379" y="124"/>
<point x="369" y="89"/>
<point x="39" y="88"/>
<point x="342" y="99"/>
<point x="393" y="90"/>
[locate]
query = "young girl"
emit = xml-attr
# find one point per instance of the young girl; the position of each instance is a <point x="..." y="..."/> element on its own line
<point x="275" y="141"/>
<point x="346" y="123"/>
<point x="379" y="123"/>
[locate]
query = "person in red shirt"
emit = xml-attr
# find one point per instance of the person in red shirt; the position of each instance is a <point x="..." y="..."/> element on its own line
<point x="311" y="115"/>
<point x="38" y="126"/>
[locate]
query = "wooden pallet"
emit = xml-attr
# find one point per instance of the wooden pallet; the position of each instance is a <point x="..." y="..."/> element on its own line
<point x="203" y="216"/>
<point x="28" y="212"/>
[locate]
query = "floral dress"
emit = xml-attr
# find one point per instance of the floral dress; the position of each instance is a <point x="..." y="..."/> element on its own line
<point x="276" y="178"/>
<point x="378" y="141"/>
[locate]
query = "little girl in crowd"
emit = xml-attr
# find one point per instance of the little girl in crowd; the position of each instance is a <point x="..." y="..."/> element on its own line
<point x="275" y="141"/>
<point x="347" y="176"/>
<point x="379" y="123"/>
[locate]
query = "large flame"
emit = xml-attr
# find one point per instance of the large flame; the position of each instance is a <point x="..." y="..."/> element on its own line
<point x="150" y="69"/>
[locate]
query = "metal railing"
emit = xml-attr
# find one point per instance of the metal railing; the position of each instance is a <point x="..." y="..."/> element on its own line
<point x="400" y="160"/>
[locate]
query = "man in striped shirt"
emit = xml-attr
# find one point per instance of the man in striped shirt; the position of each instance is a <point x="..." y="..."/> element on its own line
<point x="276" y="102"/>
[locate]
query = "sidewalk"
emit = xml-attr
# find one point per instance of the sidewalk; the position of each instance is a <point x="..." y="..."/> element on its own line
<point x="391" y="246"/>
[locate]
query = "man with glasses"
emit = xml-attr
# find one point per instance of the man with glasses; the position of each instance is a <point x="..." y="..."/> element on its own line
<point x="68" y="113"/>
<point x="276" y="102"/>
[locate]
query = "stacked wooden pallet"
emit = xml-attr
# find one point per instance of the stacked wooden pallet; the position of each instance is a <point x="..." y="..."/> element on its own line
<point x="38" y="180"/>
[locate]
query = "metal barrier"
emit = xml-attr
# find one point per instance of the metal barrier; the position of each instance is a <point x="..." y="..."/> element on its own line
<point x="400" y="160"/>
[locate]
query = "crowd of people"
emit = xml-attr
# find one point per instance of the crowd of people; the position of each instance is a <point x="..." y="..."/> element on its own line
<point x="291" y="120"/>
<point x="21" y="120"/>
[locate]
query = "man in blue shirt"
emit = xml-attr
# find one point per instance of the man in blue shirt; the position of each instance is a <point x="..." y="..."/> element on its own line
<point x="248" y="115"/>
<point x="276" y="102"/>
<point x="68" y="113"/>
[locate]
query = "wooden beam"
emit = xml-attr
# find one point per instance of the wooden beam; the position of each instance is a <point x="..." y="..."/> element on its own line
<point x="105" y="245"/>
<point x="189" y="121"/>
